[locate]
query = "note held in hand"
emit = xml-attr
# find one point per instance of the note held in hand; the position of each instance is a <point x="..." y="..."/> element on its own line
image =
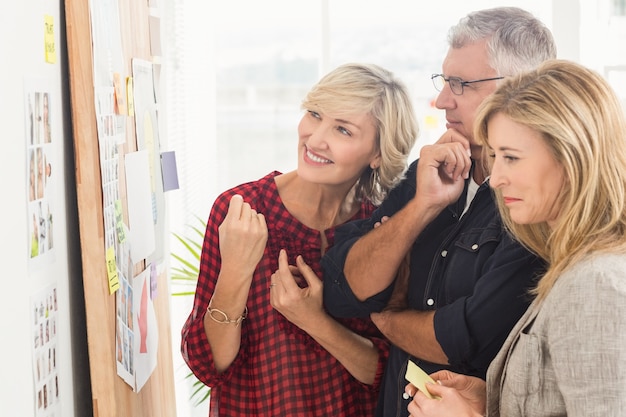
<point x="416" y="376"/>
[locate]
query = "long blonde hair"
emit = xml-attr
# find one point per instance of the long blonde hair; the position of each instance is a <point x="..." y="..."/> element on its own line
<point x="583" y="124"/>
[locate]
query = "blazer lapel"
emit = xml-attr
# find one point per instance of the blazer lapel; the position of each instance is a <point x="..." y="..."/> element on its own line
<point x="497" y="368"/>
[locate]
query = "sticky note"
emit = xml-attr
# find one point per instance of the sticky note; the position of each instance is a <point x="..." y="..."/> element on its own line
<point x="49" y="46"/>
<point x="130" y="96"/>
<point x="119" y="221"/>
<point x="416" y="376"/>
<point x="169" y="170"/>
<point x="112" y="275"/>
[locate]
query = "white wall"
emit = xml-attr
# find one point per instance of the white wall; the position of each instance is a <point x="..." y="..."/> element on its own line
<point x="22" y="52"/>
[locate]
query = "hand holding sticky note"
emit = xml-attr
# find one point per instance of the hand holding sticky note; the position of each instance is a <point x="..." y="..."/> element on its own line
<point x="416" y="376"/>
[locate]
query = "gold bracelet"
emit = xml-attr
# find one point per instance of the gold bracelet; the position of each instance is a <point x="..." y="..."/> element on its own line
<point x="225" y="319"/>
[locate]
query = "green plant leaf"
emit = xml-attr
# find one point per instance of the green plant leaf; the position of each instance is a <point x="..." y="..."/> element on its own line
<point x="184" y="277"/>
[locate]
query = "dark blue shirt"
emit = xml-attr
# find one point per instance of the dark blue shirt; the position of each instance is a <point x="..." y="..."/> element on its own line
<point x="467" y="268"/>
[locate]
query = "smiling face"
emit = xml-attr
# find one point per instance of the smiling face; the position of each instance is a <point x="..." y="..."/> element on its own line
<point x="470" y="62"/>
<point x="336" y="150"/>
<point x="524" y="172"/>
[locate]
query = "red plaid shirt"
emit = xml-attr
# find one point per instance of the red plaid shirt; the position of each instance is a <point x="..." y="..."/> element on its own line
<point x="280" y="370"/>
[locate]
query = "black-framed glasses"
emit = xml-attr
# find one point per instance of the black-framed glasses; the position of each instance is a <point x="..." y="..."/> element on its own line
<point x="456" y="84"/>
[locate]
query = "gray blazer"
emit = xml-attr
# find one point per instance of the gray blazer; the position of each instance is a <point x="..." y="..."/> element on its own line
<point x="567" y="355"/>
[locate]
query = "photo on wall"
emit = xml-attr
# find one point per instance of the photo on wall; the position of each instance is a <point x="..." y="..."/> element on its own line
<point x="40" y="171"/>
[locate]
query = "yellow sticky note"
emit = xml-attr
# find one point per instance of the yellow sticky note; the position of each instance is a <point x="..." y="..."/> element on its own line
<point x="130" y="98"/>
<point x="49" y="46"/>
<point x="114" y="279"/>
<point x="416" y="376"/>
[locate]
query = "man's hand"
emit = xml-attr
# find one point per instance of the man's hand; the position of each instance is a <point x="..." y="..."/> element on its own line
<point x="452" y="135"/>
<point x="442" y="170"/>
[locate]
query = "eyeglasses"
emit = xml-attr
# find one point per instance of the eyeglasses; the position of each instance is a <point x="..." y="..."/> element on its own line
<point x="456" y="84"/>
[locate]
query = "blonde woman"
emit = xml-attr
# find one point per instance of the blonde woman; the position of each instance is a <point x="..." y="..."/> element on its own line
<point x="557" y="141"/>
<point x="257" y="335"/>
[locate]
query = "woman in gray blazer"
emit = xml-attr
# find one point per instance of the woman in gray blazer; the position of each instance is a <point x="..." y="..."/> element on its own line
<point x="556" y="137"/>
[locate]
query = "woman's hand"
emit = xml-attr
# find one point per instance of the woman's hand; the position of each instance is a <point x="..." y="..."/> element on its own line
<point x="242" y="239"/>
<point x="301" y="306"/>
<point x="459" y="396"/>
<point x="243" y="235"/>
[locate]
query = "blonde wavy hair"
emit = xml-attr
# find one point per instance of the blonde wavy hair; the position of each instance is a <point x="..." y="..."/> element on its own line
<point x="582" y="122"/>
<point x="367" y="88"/>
